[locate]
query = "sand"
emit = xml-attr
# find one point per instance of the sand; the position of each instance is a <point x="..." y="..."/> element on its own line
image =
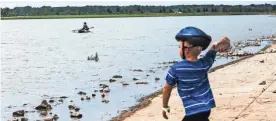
<point x="237" y="90"/>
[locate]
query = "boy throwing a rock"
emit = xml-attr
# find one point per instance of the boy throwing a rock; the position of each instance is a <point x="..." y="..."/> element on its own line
<point x="191" y="75"/>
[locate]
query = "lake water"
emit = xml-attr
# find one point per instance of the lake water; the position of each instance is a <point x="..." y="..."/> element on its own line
<point x="41" y="59"/>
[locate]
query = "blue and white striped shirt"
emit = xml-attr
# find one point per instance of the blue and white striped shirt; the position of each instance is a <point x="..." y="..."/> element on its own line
<point x="193" y="84"/>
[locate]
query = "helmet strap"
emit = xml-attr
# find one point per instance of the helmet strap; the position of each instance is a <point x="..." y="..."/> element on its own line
<point x="183" y="51"/>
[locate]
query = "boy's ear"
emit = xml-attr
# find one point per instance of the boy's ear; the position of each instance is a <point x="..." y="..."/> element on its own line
<point x="201" y="48"/>
<point x="186" y="49"/>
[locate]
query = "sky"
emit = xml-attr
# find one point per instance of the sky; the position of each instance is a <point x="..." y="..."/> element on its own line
<point x="39" y="3"/>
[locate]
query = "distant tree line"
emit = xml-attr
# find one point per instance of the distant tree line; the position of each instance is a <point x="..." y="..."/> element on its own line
<point x="133" y="9"/>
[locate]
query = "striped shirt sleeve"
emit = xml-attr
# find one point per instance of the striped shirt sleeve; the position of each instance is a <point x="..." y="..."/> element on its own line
<point x="209" y="57"/>
<point x="171" y="77"/>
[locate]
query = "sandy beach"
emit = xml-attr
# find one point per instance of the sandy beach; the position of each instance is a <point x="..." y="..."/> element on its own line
<point x="244" y="91"/>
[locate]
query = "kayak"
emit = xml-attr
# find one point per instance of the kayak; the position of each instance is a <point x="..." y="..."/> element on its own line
<point x="81" y="31"/>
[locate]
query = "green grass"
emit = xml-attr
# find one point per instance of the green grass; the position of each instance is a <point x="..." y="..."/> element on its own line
<point x="127" y="15"/>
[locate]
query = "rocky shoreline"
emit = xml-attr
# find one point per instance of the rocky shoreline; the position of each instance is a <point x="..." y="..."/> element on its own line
<point x="44" y="109"/>
<point x="244" y="90"/>
<point x="146" y="101"/>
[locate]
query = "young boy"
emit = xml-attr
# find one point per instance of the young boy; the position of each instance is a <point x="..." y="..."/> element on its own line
<point x="191" y="74"/>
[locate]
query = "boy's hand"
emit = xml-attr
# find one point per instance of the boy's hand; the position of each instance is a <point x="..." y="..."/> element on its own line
<point x="223" y="45"/>
<point x="165" y="111"/>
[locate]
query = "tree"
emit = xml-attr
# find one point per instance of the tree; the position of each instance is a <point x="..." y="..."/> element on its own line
<point x="72" y="10"/>
<point x="224" y="9"/>
<point x="5" y="11"/>
<point x="184" y="11"/>
<point x="189" y="10"/>
<point x="161" y="10"/>
<point x="130" y="11"/>
<point x="108" y="10"/>
<point x="179" y="10"/>
<point x="170" y="10"/>
<point x="164" y="9"/>
<point x="118" y="9"/>
<point x="213" y="10"/>
<point x="205" y="10"/>
<point x="198" y="10"/>
<point x="240" y="8"/>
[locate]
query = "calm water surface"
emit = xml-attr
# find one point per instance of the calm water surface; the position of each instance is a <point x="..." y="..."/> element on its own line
<point x="43" y="58"/>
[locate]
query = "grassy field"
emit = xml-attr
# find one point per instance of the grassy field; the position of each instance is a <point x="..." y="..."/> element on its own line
<point x="127" y="15"/>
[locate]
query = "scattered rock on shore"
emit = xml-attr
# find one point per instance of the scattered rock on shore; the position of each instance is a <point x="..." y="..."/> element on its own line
<point x="18" y="113"/>
<point x="262" y="83"/>
<point x="55" y="117"/>
<point x="156" y="79"/>
<point x="134" y="79"/>
<point x="93" y="95"/>
<point x="151" y="71"/>
<point x="170" y="62"/>
<point x="76" y="115"/>
<point x="29" y="111"/>
<point x="117" y="76"/>
<point x="72" y="107"/>
<point x="24" y="119"/>
<point x="103" y="86"/>
<point x="64" y="97"/>
<point x="87" y="98"/>
<point x="124" y="84"/>
<point x="106" y="90"/>
<point x="81" y="93"/>
<point x="19" y="119"/>
<point x="51" y="101"/>
<point x="141" y="83"/>
<point x="47" y="119"/>
<point x="77" y="109"/>
<point x="112" y="80"/>
<point x="44" y="106"/>
<point x="105" y="101"/>
<point x="43" y="113"/>
<point x="103" y="95"/>
<point x="138" y="70"/>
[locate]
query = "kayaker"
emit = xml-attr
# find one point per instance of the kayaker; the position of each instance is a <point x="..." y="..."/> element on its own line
<point x="85" y="27"/>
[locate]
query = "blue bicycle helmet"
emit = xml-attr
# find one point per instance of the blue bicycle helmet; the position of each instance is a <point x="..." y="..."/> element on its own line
<point x="194" y="36"/>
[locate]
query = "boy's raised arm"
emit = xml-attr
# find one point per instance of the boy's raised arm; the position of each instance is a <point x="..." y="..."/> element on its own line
<point x="222" y="45"/>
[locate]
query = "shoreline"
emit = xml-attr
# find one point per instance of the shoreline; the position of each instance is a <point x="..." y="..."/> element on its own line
<point x="146" y="101"/>
<point x="130" y="15"/>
